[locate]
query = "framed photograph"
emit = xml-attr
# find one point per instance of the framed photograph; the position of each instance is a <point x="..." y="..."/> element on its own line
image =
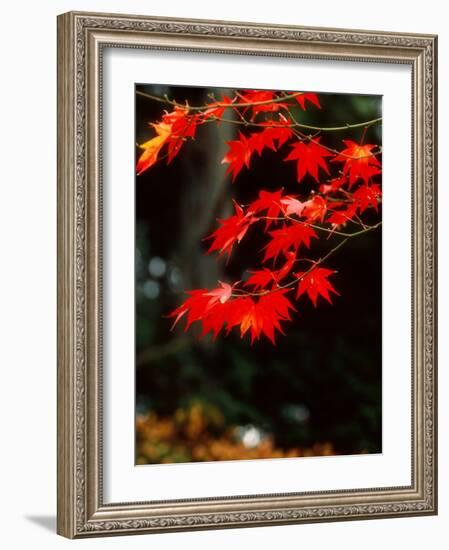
<point x="246" y="274"/>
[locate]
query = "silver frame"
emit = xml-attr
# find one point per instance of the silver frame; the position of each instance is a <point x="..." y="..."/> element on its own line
<point x="81" y="39"/>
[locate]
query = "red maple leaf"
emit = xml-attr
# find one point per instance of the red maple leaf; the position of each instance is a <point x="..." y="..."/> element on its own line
<point x="220" y="294"/>
<point x="175" y="115"/>
<point x="215" y="320"/>
<point x="173" y="130"/>
<point x="182" y="128"/>
<point x="238" y="155"/>
<point x="359" y="161"/>
<point x="315" y="283"/>
<point x="270" y="202"/>
<point x="260" y="317"/>
<point x="215" y="317"/>
<point x="288" y="237"/>
<point x="311" y="97"/>
<point x="231" y="231"/>
<point x="309" y="156"/>
<point x="279" y="130"/>
<point x="217" y="108"/>
<point x="256" y="96"/>
<point x="340" y="217"/>
<point x="201" y="302"/>
<point x="240" y="150"/>
<point x="291" y="205"/>
<point x="197" y="306"/>
<point x="207" y="307"/>
<point x="259" y="140"/>
<point x="267" y="137"/>
<point x="287" y="267"/>
<point x="152" y="147"/>
<point x="368" y="195"/>
<point x="270" y="310"/>
<point x="315" y="209"/>
<point x="261" y="278"/>
<point x="333" y="185"/>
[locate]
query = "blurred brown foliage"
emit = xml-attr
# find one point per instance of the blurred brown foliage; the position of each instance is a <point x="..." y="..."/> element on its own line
<point x="198" y="433"/>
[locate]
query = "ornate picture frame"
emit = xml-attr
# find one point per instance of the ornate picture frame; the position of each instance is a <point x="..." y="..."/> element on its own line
<point x="82" y="510"/>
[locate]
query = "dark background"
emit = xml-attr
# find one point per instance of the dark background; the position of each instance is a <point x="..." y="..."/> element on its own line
<point x="322" y="381"/>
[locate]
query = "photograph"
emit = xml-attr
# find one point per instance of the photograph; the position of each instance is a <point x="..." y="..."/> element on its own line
<point x="258" y="274"/>
<point x="247" y="282"/>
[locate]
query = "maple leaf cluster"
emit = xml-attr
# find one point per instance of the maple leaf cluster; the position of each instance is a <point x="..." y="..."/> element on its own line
<point x="346" y="183"/>
<point x="218" y="310"/>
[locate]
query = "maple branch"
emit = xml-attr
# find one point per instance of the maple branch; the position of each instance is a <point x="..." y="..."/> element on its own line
<point x="264" y="316"/>
<point x="303" y="137"/>
<point x="365" y="229"/>
<point x="245" y="122"/>
<point x="350" y="220"/>
<point x="320" y="261"/>
<point x="339" y="128"/>
<point x="296" y="279"/>
<point x="315" y="263"/>
<point x="335" y="151"/>
<point x="217" y="104"/>
<point x="347" y="126"/>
